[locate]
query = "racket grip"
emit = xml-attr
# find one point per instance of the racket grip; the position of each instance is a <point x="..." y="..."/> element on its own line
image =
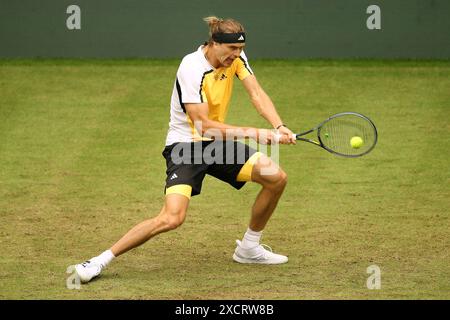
<point x="278" y="136"/>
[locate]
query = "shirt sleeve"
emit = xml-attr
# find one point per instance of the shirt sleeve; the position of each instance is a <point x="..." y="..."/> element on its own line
<point x="243" y="69"/>
<point x="189" y="81"/>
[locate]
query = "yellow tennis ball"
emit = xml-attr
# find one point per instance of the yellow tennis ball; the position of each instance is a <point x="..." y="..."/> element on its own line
<point x="356" y="142"/>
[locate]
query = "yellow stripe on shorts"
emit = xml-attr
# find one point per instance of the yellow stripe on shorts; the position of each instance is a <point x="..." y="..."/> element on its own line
<point x="246" y="171"/>
<point x="183" y="189"/>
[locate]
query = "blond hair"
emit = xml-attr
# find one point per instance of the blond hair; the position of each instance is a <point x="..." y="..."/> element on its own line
<point x="217" y="25"/>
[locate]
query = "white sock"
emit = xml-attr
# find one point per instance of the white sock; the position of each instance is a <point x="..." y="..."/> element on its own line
<point x="105" y="258"/>
<point x="251" y="239"/>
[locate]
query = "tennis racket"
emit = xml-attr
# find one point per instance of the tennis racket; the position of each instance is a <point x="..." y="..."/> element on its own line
<point x="347" y="134"/>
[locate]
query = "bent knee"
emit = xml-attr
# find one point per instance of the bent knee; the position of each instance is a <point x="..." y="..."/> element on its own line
<point x="276" y="181"/>
<point x="281" y="178"/>
<point x="172" y="219"/>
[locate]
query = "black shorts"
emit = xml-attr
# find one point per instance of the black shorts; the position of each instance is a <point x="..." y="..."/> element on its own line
<point x="189" y="162"/>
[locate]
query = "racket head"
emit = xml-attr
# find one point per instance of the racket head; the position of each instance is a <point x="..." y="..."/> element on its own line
<point x="336" y="133"/>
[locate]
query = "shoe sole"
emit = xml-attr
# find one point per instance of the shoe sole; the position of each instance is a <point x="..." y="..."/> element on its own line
<point x="244" y="260"/>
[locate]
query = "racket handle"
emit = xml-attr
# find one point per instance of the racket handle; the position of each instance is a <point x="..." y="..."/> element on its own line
<point x="278" y="136"/>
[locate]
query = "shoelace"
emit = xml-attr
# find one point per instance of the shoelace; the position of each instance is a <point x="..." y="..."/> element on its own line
<point x="266" y="246"/>
<point x="263" y="254"/>
<point x="84" y="264"/>
<point x="89" y="262"/>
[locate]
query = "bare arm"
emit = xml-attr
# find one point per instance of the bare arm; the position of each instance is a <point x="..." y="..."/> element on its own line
<point x="198" y="112"/>
<point x="261" y="101"/>
<point x="264" y="105"/>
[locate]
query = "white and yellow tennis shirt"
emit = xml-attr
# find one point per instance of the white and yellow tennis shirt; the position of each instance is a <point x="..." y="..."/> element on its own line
<point x="198" y="82"/>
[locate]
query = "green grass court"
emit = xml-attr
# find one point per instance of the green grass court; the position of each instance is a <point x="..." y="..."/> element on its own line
<point x="80" y="164"/>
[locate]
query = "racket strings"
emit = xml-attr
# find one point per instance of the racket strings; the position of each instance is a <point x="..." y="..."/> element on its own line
<point x="337" y="133"/>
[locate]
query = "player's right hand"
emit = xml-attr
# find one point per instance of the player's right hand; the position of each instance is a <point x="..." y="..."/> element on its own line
<point x="266" y="136"/>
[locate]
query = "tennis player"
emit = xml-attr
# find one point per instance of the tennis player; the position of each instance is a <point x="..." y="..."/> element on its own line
<point x="199" y="142"/>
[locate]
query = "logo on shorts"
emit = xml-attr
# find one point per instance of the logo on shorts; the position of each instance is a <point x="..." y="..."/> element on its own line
<point x="174" y="176"/>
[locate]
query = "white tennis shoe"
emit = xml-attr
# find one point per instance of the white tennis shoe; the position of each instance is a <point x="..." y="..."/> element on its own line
<point x="88" y="270"/>
<point x="257" y="254"/>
